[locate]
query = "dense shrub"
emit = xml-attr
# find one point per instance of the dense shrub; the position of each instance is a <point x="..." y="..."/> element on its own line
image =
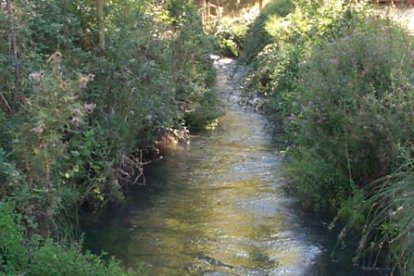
<point x="206" y="112"/>
<point x="257" y="37"/>
<point x="12" y="250"/>
<point x="352" y="133"/>
<point x="82" y="97"/>
<point x="355" y="95"/>
<point x="338" y="85"/>
<point x="290" y="37"/>
<point x="44" y="257"/>
<point x="70" y="121"/>
<point x="231" y="34"/>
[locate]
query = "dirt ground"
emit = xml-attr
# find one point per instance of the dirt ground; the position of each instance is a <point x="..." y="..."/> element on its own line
<point x="404" y="16"/>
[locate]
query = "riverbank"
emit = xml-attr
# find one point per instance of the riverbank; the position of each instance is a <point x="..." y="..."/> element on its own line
<point x="85" y="91"/>
<point x="333" y="77"/>
<point x="219" y="206"/>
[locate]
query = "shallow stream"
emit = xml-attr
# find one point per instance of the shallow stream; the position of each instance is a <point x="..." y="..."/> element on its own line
<point x="217" y="207"/>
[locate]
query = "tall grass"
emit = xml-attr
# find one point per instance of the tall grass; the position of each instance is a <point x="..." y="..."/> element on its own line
<point x="389" y="228"/>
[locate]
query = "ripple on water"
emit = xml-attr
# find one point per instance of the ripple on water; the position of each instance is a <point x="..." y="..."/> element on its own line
<point x="219" y="208"/>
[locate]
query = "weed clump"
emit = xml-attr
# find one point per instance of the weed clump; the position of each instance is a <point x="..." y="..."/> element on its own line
<point x="354" y="99"/>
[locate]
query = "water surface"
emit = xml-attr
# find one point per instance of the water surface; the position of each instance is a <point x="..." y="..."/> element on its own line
<point x="217" y="207"/>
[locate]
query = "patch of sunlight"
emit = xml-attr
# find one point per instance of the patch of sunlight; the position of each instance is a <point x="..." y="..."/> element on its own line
<point x="403" y="16"/>
<point x="276" y="25"/>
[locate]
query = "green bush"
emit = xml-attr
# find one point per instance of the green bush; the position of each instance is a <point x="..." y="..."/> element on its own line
<point x="276" y="66"/>
<point x="275" y="79"/>
<point x="11" y="179"/>
<point x="13" y="254"/>
<point x="257" y="37"/>
<point x="75" y="116"/>
<point x="339" y="86"/>
<point x="206" y="112"/>
<point x="278" y="76"/>
<point x="45" y="257"/>
<point x="231" y="35"/>
<point x="5" y="126"/>
<point x="355" y="95"/>
<point x="53" y="259"/>
<point x="69" y="134"/>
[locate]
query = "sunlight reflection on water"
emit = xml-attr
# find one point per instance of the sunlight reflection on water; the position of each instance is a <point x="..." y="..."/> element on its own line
<point x="215" y="208"/>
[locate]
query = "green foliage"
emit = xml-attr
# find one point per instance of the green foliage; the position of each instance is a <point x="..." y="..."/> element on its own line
<point x="318" y="182"/>
<point x="192" y="70"/>
<point x="51" y="110"/>
<point x="74" y="117"/>
<point x="354" y="95"/>
<point x="276" y="66"/>
<point x="339" y="85"/>
<point x="390" y="221"/>
<point x="13" y="253"/>
<point x="81" y="114"/>
<point x="5" y="126"/>
<point x="231" y="34"/>
<point x="45" y="257"/>
<point x="207" y="111"/>
<point x="11" y="180"/>
<point x="53" y="259"/>
<point x="257" y="37"/>
<point x="48" y="24"/>
<point x="275" y="79"/>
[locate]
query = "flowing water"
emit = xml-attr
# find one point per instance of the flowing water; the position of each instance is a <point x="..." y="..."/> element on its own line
<point x="217" y="207"/>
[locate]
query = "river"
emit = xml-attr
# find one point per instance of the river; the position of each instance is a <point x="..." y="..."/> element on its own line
<point x="218" y="207"/>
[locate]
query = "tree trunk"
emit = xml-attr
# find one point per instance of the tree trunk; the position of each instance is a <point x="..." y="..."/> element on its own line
<point x="100" y="12"/>
<point x="260" y="4"/>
